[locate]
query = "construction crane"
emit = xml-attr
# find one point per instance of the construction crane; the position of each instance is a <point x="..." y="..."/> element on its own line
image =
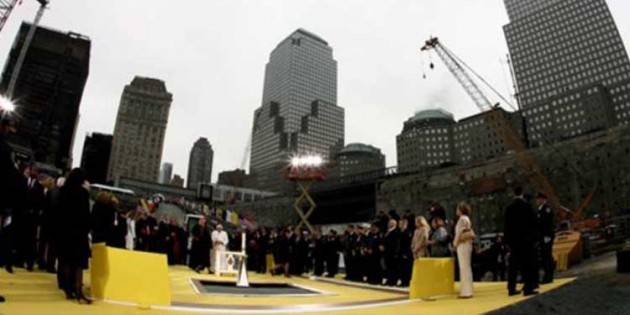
<point x="6" y="7"/>
<point x="27" y="42"/>
<point x="496" y="119"/>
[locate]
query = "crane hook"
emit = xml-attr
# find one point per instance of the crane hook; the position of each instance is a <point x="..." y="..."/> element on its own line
<point x="432" y="66"/>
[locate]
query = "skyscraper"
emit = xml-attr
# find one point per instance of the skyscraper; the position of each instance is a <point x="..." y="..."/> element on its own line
<point x="572" y="70"/>
<point x="139" y="131"/>
<point x="299" y="112"/>
<point x="200" y="163"/>
<point x="166" y="173"/>
<point x="95" y="159"/>
<point x="48" y="92"/>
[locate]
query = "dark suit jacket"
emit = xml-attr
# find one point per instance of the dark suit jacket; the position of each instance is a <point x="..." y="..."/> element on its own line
<point x="520" y="224"/>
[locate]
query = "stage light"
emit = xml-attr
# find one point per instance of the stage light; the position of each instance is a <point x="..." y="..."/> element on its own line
<point x="6" y="104"/>
<point x="307" y="161"/>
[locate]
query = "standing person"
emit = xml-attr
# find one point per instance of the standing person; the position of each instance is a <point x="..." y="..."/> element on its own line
<point x="420" y="242"/>
<point x="103" y="216"/>
<point x="28" y="220"/>
<point x="263" y="244"/>
<point x="220" y="242"/>
<point x="359" y="253"/>
<point x="332" y="254"/>
<point x="391" y="252"/>
<point x="436" y="211"/>
<point x="284" y="252"/>
<point x="130" y="236"/>
<point x="440" y="239"/>
<point x="406" y="254"/>
<point x="318" y="253"/>
<point x="520" y="238"/>
<point x="497" y="256"/>
<point x="463" y="243"/>
<point x="12" y="185"/>
<point x="349" y="237"/>
<point x="74" y="247"/>
<point x="373" y="247"/>
<point x="200" y="248"/>
<point x="547" y="236"/>
<point x="117" y="237"/>
<point x="51" y="224"/>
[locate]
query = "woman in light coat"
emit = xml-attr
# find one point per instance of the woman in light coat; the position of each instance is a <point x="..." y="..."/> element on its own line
<point x="419" y="243"/>
<point x="463" y="244"/>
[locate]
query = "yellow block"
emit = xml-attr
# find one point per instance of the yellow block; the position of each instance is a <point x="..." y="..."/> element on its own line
<point x="129" y="276"/>
<point x="432" y="277"/>
<point x="567" y="249"/>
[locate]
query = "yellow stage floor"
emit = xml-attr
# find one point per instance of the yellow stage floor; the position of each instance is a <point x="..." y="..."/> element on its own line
<point x="36" y="293"/>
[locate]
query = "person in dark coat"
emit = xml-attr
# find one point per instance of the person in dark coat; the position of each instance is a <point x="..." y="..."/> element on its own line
<point x="103" y="217"/>
<point x="547" y="235"/>
<point x="51" y="224"/>
<point x="436" y="211"/>
<point x="284" y="252"/>
<point x="359" y="254"/>
<point x="201" y="245"/>
<point x="118" y="236"/>
<point x="12" y="186"/>
<point x="391" y="252"/>
<point x="74" y="247"/>
<point x="265" y="250"/>
<point x="520" y="236"/>
<point x="319" y="244"/>
<point x="28" y="221"/>
<point x="349" y="252"/>
<point x="406" y="256"/>
<point x="497" y="261"/>
<point x="333" y="247"/>
<point x="373" y="249"/>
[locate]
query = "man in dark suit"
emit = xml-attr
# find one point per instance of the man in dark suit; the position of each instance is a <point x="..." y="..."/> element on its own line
<point x="546" y="233"/>
<point x="12" y="183"/>
<point x="29" y="220"/>
<point x="391" y="252"/>
<point x="520" y="236"/>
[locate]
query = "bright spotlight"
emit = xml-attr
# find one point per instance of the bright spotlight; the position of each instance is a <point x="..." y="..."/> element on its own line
<point x="6" y="104"/>
<point x="307" y="161"/>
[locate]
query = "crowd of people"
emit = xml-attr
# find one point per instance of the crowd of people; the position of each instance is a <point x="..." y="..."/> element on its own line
<point x="383" y="251"/>
<point x="50" y="222"/>
<point x="380" y="252"/>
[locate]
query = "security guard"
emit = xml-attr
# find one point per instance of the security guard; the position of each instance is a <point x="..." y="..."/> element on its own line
<point x="547" y="234"/>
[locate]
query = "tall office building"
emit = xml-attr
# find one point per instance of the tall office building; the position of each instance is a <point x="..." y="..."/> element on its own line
<point x="432" y="138"/>
<point x="299" y="112"/>
<point x="95" y="158"/>
<point x="572" y="70"/>
<point x="139" y="131"/>
<point x="166" y="173"/>
<point x="200" y="164"/>
<point x="48" y="93"/>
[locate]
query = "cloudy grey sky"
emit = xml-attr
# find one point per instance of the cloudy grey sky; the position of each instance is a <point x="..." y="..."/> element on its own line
<point x="212" y="55"/>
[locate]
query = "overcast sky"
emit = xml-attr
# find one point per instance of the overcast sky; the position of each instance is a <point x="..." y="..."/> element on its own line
<point x="212" y="54"/>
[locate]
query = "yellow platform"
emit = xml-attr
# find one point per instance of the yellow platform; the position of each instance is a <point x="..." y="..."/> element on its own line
<point x="129" y="276"/>
<point x="36" y="293"/>
<point x="432" y="277"/>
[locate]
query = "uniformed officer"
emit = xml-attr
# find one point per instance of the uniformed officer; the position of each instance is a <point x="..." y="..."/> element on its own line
<point x="547" y="233"/>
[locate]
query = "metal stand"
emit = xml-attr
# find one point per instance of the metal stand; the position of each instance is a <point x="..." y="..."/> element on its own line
<point x="304" y="186"/>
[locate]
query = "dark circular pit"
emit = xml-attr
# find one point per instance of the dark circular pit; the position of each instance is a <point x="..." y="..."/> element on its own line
<point x="267" y="289"/>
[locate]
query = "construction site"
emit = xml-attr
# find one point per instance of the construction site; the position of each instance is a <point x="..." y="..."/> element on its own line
<point x="569" y="145"/>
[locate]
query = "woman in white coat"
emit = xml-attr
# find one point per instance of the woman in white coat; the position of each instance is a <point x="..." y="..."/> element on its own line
<point x="463" y="242"/>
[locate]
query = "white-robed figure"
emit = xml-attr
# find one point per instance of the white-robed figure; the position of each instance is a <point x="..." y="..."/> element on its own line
<point x="219" y="244"/>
